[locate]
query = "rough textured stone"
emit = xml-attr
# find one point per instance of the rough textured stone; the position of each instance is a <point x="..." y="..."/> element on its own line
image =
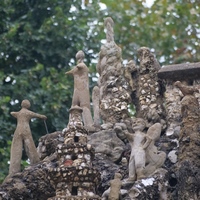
<point x="151" y="188"/>
<point x="107" y="142"/>
<point x="114" y="97"/>
<point x="48" y="143"/>
<point x="33" y="183"/>
<point x="149" y="101"/>
<point x="189" y="147"/>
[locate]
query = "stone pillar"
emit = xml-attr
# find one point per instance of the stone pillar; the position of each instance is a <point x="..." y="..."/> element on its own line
<point x="189" y="147"/>
<point x="150" y="100"/>
<point x="95" y="101"/>
<point x="183" y="112"/>
<point x="114" y="97"/>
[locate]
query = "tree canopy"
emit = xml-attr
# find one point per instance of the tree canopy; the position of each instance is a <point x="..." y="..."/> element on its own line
<point x="39" y="40"/>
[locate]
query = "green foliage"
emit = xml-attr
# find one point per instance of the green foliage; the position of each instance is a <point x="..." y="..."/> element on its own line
<point x="39" y="40"/>
<point x="170" y="28"/>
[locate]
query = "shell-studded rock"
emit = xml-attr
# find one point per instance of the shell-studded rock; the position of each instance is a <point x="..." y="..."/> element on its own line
<point x="114" y="98"/>
<point x="150" y="102"/>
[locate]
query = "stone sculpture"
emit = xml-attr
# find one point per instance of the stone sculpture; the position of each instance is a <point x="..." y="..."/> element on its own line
<point x="75" y="176"/>
<point x="186" y="90"/>
<point x="144" y="158"/>
<point x="137" y="158"/>
<point x="113" y="192"/>
<point x="150" y="102"/>
<point x="189" y="140"/>
<point x="114" y="98"/>
<point x="154" y="158"/>
<point x="115" y="186"/>
<point x="81" y="96"/>
<point x="22" y="135"/>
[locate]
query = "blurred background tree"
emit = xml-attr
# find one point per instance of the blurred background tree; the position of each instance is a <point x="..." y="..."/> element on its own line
<point x="39" y="40"/>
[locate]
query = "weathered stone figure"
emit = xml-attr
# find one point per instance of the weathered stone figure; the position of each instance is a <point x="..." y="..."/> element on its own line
<point x="81" y="96"/>
<point x="144" y="158"/>
<point x="115" y="186"/>
<point x="113" y="192"/>
<point x="23" y="135"/>
<point x="154" y="158"/>
<point x="138" y="157"/>
<point x="186" y="90"/>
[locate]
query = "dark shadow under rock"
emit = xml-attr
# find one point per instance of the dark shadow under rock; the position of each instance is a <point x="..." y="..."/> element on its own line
<point x="107" y="169"/>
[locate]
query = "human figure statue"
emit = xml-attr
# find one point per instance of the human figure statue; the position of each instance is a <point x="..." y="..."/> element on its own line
<point x="138" y="142"/>
<point x="154" y="158"/>
<point x="113" y="192"/>
<point x="144" y="158"/>
<point x="115" y="186"/>
<point x="108" y="23"/>
<point x="81" y="96"/>
<point x="22" y="135"/>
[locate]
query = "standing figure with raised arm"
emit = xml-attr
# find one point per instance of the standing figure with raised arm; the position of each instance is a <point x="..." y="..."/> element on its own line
<point x="22" y="135"/>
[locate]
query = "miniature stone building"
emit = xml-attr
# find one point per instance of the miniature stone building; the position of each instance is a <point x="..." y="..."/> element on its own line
<point x="74" y="174"/>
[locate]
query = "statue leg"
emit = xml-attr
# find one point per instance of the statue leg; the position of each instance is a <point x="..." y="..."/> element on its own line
<point x="156" y="162"/>
<point x="140" y="163"/>
<point x="131" y="167"/>
<point x="31" y="150"/>
<point x="16" y="154"/>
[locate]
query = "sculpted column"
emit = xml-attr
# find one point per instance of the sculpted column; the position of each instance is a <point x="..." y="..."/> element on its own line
<point x="114" y="97"/>
<point x="189" y="145"/>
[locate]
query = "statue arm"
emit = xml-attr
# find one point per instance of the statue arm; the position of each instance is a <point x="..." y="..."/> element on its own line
<point x="14" y="114"/>
<point x="129" y="136"/>
<point x="71" y="72"/>
<point x="36" y="115"/>
<point x="147" y="143"/>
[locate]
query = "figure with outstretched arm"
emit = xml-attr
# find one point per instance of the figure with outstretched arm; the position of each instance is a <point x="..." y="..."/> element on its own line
<point x="22" y="135"/>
